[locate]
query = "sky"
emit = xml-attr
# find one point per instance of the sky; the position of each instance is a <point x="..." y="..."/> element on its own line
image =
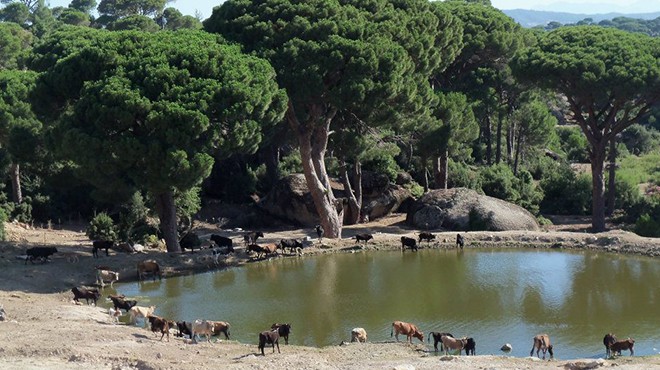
<point x="205" y="7"/>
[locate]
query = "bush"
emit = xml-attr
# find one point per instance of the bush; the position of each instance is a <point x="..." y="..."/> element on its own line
<point x="574" y="144"/>
<point x="3" y="219"/>
<point x="640" y="140"/>
<point x="102" y="228"/>
<point x="565" y="193"/>
<point x="462" y="176"/>
<point x="530" y="195"/>
<point x="647" y="226"/>
<point x="498" y="181"/>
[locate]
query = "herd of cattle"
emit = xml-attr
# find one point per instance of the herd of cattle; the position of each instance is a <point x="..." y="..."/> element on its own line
<point x="222" y="246"/>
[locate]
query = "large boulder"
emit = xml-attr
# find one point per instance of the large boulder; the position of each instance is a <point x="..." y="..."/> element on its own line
<point x="465" y="209"/>
<point x="291" y="200"/>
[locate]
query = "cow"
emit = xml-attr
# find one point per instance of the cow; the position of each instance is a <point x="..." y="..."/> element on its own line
<point x="608" y="340"/>
<point x="319" y="232"/>
<point x="626" y="344"/>
<point x="101" y="244"/>
<point x="410" y="330"/>
<point x="409" y="243"/>
<point x="460" y="241"/>
<point x="42" y="253"/>
<point x="106" y="275"/>
<point x="359" y="335"/>
<point x="437" y="338"/>
<point x="161" y="325"/>
<point x="222" y="241"/>
<point x="470" y="347"/>
<point x="87" y="293"/>
<point x="114" y="315"/>
<point x="363" y="238"/>
<point x="269" y="337"/>
<point x="283" y="330"/>
<point x="200" y="327"/>
<point x="190" y="241"/>
<point x="426" y="236"/>
<point x="221" y="327"/>
<point x="184" y="328"/>
<point x="294" y="245"/>
<point x="451" y="343"/>
<point x="150" y="267"/>
<point x="262" y="250"/>
<point x="251" y="237"/>
<point x="542" y="343"/>
<point x="140" y="311"/>
<point x="120" y="303"/>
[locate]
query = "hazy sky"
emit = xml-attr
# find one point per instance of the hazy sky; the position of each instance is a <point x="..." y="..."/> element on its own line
<point x="189" y="7"/>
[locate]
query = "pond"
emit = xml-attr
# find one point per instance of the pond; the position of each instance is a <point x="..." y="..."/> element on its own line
<point x="495" y="296"/>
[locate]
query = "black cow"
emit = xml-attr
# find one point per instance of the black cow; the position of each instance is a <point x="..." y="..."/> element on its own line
<point x="608" y="340"/>
<point x="319" y="232"/>
<point x="363" y="237"/>
<point x="222" y="241"/>
<point x="251" y="237"/>
<point x="101" y="244"/>
<point x="408" y="242"/>
<point x="426" y="236"/>
<point x="184" y="328"/>
<point x="470" y="347"/>
<point x="270" y="337"/>
<point x="283" y="330"/>
<point x="292" y="244"/>
<point x="190" y="241"/>
<point x="87" y="293"/>
<point x="437" y="338"/>
<point x="460" y="242"/>
<point x="121" y="303"/>
<point x="42" y="253"/>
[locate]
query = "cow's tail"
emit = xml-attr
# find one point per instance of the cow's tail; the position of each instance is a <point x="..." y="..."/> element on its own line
<point x="428" y="339"/>
<point x="392" y="331"/>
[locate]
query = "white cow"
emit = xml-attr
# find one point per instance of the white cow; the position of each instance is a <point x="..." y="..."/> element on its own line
<point x="106" y="275"/>
<point x="204" y="327"/>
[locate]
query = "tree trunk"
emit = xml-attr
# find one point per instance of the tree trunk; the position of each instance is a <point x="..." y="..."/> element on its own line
<point x="598" y="194"/>
<point x="510" y="137"/>
<point x="271" y="157"/>
<point x="611" y="184"/>
<point x="517" y="155"/>
<point x="353" y="215"/>
<point x="426" y="178"/>
<point x="441" y="180"/>
<point x="498" y="140"/>
<point x="489" y="140"/>
<point x="15" y="173"/>
<point x="313" y="140"/>
<point x="167" y="214"/>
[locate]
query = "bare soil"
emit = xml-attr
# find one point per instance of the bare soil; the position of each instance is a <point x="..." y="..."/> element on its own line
<point x="46" y="330"/>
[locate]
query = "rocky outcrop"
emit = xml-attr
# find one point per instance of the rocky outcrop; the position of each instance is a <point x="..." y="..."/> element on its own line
<point x="290" y="199"/>
<point x="465" y="209"/>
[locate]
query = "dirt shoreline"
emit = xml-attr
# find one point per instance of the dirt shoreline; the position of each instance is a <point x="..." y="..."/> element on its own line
<point x="45" y="330"/>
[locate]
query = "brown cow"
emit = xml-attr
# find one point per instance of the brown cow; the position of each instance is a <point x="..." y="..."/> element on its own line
<point x="608" y="340"/>
<point x="451" y="343"/>
<point x="626" y="344"/>
<point x="542" y="343"/>
<point x="269" y="337"/>
<point x="149" y="267"/>
<point x="358" y="335"/>
<point x="410" y="330"/>
<point x="221" y="327"/>
<point x="160" y="324"/>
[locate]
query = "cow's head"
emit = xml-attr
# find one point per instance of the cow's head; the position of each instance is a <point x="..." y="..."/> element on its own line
<point x="419" y="335"/>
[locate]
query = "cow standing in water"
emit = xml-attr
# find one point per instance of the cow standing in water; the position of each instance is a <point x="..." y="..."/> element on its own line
<point x="460" y="242"/>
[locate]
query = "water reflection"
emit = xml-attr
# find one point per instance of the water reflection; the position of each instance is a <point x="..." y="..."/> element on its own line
<point x="494" y="296"/>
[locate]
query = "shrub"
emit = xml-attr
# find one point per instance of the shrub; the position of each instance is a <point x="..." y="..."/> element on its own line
<point x="574" y="143"/>
<point x="647" y="226"/>
<point x="565" y="192"/>
<point x="102" y="228"/>
<point x="462" y="176"/>
<point x="639" y="139"/>
<point x="498" y="181"/>
<point x="3" y="219"/>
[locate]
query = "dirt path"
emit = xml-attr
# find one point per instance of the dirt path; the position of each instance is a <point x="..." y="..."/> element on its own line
<point x="45" y="330"/>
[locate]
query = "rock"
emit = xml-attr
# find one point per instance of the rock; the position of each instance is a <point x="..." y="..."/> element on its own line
<point x="3" y="314"/>
<point x="465" y="209"/>
<point x="404" y="367"/>
<point x="506" y="347"/>
<point x="583" y="365"/>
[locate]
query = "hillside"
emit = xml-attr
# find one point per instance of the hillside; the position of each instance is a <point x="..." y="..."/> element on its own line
<point x="531" y="18"/>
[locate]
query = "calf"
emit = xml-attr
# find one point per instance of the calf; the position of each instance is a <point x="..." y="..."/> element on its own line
<point x="220" y="327"/>
<point x="410" y="330"/>
<point x="42" y="253"/>
<point x="269" y="337"/>
<point x="359" y="335"/>
<point x="161" y="325"/>
<point x="363" y="238"/>
<point x="185" y="328"/>
<point x="149" y="267"/>
<point x="608" y="340"/>
<point x="120" y="303"/>
<point x="106" y="275"/>
<point x="139" y="311"/>
<point x="542" y="343"/>
<point x="437" y="338"/>
<point x="460" y="242"/>
<point x="222" y="241"/>
<point x="87" y="293"/>
<point x="283" y="330"/>
<point x="262" y="250"/>
<point x="451" y="343"/>
<point x="409" y="243"/>
<point x="626" y="344"/>
<point x="101" y="244"/>
<point x="470" y="347"/>
<point x="114" y="315"/>
<point x="200" y="327"/>
<point x="293" y="244"/>
<point x="251" y="237"/>
<point x="426" y="236"/>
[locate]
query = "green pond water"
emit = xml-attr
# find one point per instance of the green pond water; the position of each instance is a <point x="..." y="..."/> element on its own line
<point x="494" y="296"/>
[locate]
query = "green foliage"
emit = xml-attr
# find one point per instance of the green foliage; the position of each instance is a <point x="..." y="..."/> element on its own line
<point x="463" y="176"/>
<point x="529" y="194"/>
<point x="3" y="219"/>
<point x="648" y="226"/>
<point x="573" y="143"/>
<point x="415" y="189"/>
<point x="543" y="221"/>
<point x="134" y="23"/>
<point x="188" y="203"/>
<point x="131" y="213"/>
<point x="498" y="181"/>
<point x="564" y="192"/>
<point x="640" y="139"/>
<point x="290" y="164"/>
<point x="15" y="43"/>
<point x="17" y="13"/>
<point x="639" y="169"/>
<point x="102" y="227"/>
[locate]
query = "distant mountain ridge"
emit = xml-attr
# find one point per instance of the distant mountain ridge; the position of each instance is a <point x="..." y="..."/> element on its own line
<point x="531" y="18"/>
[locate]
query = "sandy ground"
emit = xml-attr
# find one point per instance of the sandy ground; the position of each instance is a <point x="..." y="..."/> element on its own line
<point x="46" y="330"/>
